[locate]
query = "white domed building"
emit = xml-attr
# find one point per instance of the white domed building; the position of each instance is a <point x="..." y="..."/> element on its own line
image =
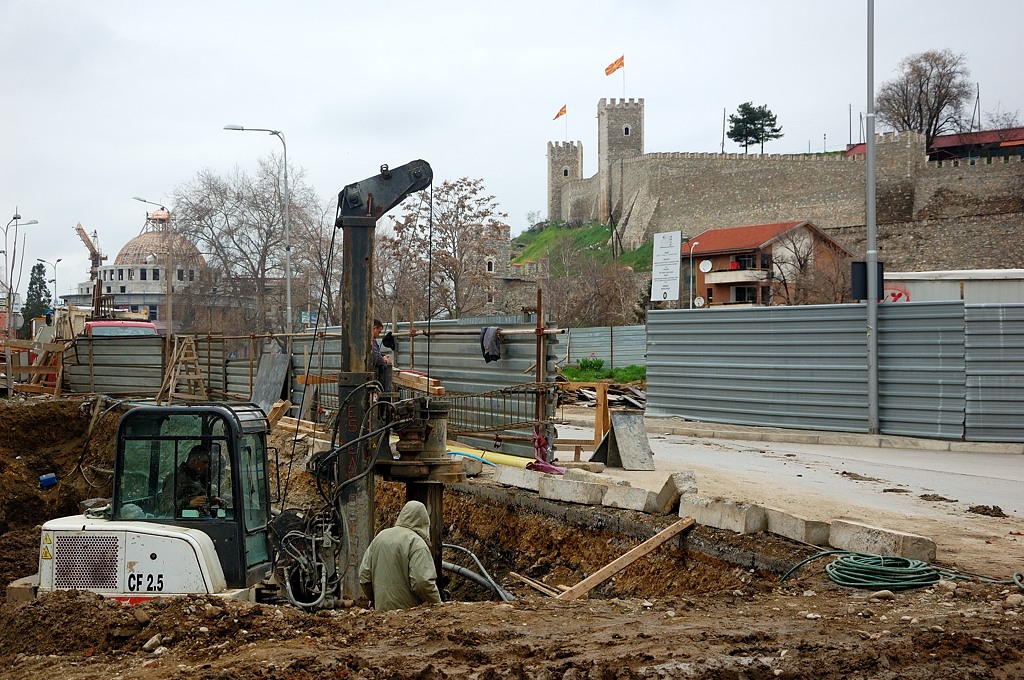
<point x="138" y="278"/>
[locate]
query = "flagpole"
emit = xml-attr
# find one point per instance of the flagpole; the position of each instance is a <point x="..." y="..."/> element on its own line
<point x="566" y="128"/>
<point x="623" y="80"/>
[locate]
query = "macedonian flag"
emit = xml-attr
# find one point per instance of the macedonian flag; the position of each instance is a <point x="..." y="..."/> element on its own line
<point x="561" y="112"/>
<point x="615" y="65"/>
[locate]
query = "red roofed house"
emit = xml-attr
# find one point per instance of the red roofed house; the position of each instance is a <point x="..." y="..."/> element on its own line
<point x="967" y="145"/>
<point x="786" y="263"/>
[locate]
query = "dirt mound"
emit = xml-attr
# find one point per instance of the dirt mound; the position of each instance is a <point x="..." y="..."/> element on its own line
<point x="70" y="438"/>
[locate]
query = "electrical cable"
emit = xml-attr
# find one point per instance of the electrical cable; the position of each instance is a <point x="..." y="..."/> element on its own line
<point x="502" y="593"/>
<point x="478" y="579"/>
<point x="309" y="359"/>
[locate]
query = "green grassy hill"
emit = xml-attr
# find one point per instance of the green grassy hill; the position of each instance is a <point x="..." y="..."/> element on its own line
<point x="589" y="238"/>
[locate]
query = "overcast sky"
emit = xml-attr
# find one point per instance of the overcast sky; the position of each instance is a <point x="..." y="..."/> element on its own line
<point x="101" y="101"/>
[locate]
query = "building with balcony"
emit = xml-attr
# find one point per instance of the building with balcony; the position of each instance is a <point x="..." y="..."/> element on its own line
<point x="783" y="263"/>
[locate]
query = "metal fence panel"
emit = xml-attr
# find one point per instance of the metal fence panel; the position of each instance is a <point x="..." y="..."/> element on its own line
<point x="117" y="366"/>
<point x="211" y="352"/>
<point x="921" y="369"/>
<point x="799" y="367"/>
<point x="617" y="346"/>
<point x="995" y="372"/>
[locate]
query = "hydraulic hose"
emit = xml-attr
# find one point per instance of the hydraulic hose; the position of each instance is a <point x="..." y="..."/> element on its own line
<point x="478" y="579"/>
<point x="493" y="584"/>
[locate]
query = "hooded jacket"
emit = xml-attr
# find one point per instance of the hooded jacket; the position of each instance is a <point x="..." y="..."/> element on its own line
<point x="397" y="571"/>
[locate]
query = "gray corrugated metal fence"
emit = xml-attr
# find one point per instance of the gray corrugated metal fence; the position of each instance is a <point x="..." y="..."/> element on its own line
<point x="945" y="371"/>
<point x="783" y="366"/>
<point x="117" y="366"/>
<point x="921" y="369"/>
<point x="995" y="372"/>
<point x="617" y="346"/>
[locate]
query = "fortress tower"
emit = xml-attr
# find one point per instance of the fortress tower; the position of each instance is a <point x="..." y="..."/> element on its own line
<point x="565" y="163"/>
<point x="620" y="135"/>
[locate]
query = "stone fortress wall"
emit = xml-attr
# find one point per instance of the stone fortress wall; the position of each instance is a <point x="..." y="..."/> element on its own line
<point x="930" y="214"/>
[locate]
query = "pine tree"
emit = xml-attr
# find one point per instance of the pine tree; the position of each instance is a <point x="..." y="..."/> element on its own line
<point x="37" y="301"/>
<point x="753" y="125"/>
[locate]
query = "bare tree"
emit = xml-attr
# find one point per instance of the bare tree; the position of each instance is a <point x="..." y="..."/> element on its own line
<point x="928" y="96"/>
<point x="1003" y="120"/>
<point x="399" y="278"/>
<point x="455" y="232"/>
<point x="237" y="222"/>
<point x="808" y="270"/>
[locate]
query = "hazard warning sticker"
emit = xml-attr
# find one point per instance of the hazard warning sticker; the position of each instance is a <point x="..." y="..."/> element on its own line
<point x="47" y="542"/>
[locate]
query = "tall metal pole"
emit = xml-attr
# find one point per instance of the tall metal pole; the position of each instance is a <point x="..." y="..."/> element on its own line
<point x="692" y="274"/>
<point x="11" y="259"/>
<point x="54" y="265"/>
<point x="871" y="259"/>
<point x="287" y="225"/>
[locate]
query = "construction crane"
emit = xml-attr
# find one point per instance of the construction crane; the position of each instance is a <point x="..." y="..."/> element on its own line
<point x="96" y="257"/>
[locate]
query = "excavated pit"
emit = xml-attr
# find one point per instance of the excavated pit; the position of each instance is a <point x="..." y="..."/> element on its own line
<point x="707" y="605"/>
<point x="507" y="529"/>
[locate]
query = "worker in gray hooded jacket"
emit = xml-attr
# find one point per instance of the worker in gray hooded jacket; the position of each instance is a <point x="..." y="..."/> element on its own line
<point x="397" y="571"/>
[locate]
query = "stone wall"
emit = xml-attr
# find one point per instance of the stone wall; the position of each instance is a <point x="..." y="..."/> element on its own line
<point x="968" y="242"/>
<point x="957" y="188"/>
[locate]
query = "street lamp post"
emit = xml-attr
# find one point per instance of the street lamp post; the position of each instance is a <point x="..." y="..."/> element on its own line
<point x="693" y="274"/>
<point x="54" y="265"/>
<point x="287" y="223"/>
<point x="10" y="258"/>
<point x="168" y="271"/>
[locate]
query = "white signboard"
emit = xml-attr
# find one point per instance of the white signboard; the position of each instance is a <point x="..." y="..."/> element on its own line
<point x="665" y="269"/>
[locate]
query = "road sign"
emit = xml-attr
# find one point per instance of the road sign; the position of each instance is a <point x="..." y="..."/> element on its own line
<point x="665" y="266"/>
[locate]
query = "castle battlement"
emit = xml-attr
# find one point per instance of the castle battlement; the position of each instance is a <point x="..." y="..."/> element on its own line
<point x="963" y="163"/>
<point x="753" y="158"/>
<point x="620" y="103"/>
<point x="570" y="147"/>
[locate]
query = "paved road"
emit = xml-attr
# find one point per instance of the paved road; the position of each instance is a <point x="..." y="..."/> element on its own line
<point x="882" y="486"/>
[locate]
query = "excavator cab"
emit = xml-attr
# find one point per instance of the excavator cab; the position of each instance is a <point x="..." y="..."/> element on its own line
<point x="202" y="467"/>
<point x="190" y="511"/>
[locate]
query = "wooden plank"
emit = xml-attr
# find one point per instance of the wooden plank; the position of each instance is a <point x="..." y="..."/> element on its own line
<point x="414" y="381"/>
<point x="609" y="570"/>
<point x="302" y="426"/>
<point x="317" y="379"/>
<point x="279" y="408"/>
<point x="536" y="585"/>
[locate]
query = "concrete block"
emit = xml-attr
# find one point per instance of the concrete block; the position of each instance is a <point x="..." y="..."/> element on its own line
<point x="521" y="478"/>
<point x="797" y="528"/>
<point x="677" y="484"/>
<point x="589" y="466"/>
<point x="628" y="498"/>
<point x="857" y="537"/>
<point x="471" y="466"/>
<point x="723" y="513"/>
<point x="554" y="488"/>
<point x="578" y="475"/>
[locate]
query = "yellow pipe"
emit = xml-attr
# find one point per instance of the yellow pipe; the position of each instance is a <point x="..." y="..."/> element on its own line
<point x="490" y="456"/>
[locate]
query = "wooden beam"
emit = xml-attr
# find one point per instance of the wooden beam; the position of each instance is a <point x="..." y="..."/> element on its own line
<point x="536" y="585"/>
<point x="415" y="381"/>
<point x="317" y="378"/>
<point x="609" y="570"/>
<point x="279" y="408"/>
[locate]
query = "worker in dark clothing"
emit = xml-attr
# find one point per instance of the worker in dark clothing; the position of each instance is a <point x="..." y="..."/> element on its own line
<point x="188" y="488"/>
<point x="381" y="361"/>
<point x="397" y="571"/>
